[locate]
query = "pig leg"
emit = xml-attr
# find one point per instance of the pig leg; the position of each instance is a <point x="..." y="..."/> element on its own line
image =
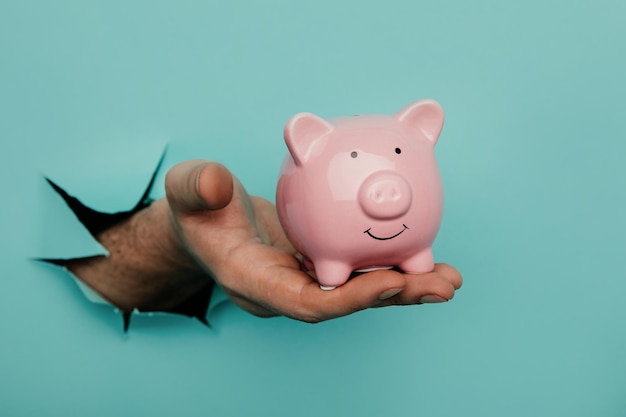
<point x="419" y="263"/>
<point x="331" y="274"/>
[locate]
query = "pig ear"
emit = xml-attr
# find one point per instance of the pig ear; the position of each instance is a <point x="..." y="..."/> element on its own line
<point x="301" y="131"/>
<point x="425" y="116"/>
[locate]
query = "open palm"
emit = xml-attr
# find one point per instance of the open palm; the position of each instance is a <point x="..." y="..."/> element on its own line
<point x="238" y="240"/>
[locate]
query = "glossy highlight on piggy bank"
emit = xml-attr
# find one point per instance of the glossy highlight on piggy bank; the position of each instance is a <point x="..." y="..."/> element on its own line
<point x="363" y="192"/>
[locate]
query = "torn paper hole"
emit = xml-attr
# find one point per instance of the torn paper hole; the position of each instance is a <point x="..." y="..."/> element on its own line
<point x="95" y="222"/>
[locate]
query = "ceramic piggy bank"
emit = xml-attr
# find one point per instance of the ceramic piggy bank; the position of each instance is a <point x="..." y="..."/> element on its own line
<point x="363" y="192"/>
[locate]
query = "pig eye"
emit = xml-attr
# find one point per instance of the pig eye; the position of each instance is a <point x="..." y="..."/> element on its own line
<point x="354" y="154"/>
<point x="398" y="151"/>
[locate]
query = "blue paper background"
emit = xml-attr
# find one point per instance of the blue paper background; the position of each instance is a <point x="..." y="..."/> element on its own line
<point x="532" y="156"/>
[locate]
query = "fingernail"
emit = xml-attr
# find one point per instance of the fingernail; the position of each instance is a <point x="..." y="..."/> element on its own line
<point x="389" y="293"/>
<point x="431" y="298"/>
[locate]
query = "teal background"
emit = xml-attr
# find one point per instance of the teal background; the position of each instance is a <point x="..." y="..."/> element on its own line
<point x="532" y="157"/>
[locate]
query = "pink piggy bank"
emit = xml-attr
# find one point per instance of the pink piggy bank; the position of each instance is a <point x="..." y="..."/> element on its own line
<point x="363" y="192"/>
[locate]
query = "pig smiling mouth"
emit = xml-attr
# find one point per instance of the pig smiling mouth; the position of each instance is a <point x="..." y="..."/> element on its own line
<point x="386" y="238"/>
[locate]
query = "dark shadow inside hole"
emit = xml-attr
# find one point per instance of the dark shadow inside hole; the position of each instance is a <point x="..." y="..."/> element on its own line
<point x="97" y="222"/>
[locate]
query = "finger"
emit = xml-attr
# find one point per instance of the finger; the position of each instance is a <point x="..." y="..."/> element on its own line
<point x="433" y="287"/>
<point x="451" y="274"/>
<point x="268" y="217"/>
<point x="198" y="185"/>
<point x="304" y="300"/>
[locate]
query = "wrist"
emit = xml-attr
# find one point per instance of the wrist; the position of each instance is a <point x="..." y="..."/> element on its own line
<point x="148" y="266"/>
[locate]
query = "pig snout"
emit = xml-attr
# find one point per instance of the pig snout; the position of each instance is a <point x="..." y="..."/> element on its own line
<point x="385" y="195"/>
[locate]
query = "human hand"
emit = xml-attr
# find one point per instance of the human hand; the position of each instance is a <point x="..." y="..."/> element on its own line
<point x="238" y="240"/>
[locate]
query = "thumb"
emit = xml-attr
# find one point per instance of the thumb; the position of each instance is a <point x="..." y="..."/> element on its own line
<point x="198" y="185"/>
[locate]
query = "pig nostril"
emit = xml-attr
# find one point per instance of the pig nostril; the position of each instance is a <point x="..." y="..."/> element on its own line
<point x="385" y="195"/>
